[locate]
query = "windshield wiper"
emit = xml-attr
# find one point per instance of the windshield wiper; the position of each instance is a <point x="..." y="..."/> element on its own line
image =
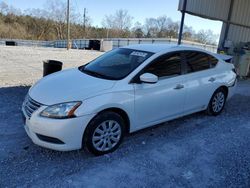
<point x="92" y="73"/>
<point x="96" y="74"/>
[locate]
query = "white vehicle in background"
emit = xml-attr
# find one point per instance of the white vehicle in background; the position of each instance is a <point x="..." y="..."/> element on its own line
<point x="123" y="91"/>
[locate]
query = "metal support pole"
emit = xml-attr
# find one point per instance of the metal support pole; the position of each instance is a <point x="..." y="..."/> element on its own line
<point x="183" y="11"/>
<point x="228" y="23"/>
<point x="68" y="27"/>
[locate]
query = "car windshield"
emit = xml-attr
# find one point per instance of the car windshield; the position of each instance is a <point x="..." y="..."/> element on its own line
<point x="116" y="64"/>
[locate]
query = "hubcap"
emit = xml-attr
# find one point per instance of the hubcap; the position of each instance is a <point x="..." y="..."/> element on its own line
<point x="218" y="102"/>
<point x="106" y="135"/>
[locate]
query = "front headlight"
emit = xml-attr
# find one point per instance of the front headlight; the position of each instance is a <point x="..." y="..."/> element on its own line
<point x="61" y="111"/>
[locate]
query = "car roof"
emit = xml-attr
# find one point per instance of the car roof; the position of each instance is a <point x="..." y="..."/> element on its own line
<point x="157" y="48"/>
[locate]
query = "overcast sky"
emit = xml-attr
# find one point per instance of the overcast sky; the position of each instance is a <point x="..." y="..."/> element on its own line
<point x="139" y="9"/>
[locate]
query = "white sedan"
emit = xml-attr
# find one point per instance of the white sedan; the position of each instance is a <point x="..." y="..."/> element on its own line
<point x="122" y="91"/>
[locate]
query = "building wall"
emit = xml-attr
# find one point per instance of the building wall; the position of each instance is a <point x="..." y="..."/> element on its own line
<point x="238" y="34"/>
<point x="241" y="12"/>
<point x="239" y="22"/>
<point x="213" y="9"/>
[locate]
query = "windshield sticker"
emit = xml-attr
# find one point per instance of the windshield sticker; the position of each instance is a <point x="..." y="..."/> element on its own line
<point x="140" y="54"/>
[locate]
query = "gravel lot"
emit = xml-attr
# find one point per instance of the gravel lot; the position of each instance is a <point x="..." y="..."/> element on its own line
<point x="194" y="151"/>
<point x="24" y="65"/>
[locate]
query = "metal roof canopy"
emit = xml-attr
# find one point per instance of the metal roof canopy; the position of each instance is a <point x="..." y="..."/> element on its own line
<point x="234" y="14"/>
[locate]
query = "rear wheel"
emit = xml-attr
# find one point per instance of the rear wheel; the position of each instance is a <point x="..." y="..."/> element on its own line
<point x="104" y="133"/>
<point x="217" y="102"/>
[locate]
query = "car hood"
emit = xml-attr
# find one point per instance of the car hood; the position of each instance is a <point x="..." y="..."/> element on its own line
<point x="68" y="85"/>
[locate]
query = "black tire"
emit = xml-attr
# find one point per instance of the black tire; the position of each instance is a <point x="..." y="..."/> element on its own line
<point x="211" y="109"/>
<point x="97" y="123"/>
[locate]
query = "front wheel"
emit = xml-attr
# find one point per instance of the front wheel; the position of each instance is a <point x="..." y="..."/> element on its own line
<point x="104" y="133"/>
<point x="217" y="102"/>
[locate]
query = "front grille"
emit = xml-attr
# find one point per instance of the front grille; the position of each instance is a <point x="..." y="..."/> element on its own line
<point x="30" y="106"/>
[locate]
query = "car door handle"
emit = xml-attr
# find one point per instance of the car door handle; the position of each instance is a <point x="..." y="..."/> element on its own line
<point x="179" y="86"/>
<point x="212" y="79"/>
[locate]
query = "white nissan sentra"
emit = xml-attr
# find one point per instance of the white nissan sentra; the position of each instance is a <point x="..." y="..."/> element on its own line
<point x="122" y="91"/>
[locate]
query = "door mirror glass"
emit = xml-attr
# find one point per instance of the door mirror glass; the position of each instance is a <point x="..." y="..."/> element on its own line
<point x="149" y="78"/>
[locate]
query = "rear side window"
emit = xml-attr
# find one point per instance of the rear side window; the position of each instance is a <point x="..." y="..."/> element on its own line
<point x="197" y="61"/>
<point x="166" y="66"/>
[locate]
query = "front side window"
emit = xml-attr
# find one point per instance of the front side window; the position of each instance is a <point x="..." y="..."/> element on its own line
<point x="213" y="61"/>
<point x="116" y="64"/>
<point x="197" y="61"/>
<point x="166" y="66"/>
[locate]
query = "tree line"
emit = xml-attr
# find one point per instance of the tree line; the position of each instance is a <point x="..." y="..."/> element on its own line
<point x="49" y="23"/>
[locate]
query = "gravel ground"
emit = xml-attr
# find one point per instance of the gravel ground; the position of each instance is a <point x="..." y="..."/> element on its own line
<point x="24" y="65"/>
<point x="193" y="151"/>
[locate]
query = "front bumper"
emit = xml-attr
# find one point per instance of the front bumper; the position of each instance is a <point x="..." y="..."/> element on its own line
<point x="68" y="131"/>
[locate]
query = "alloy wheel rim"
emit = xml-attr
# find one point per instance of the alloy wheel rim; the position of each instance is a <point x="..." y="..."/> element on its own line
<point x="218" y="102"/>
<point x="107" y="135"/>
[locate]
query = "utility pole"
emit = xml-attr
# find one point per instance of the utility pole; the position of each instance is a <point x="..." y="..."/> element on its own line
<point x="68" y="27"/>
<point x="84" y="23"/>
<point x="107" y="32"/>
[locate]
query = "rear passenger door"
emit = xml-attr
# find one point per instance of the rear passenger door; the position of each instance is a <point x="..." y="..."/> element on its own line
<point x="200" y="80"/>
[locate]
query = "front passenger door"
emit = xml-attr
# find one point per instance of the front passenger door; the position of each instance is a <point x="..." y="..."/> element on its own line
<point x="163" y="100"/>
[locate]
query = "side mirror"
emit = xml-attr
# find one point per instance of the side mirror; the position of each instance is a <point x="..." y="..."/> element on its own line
<point x="149" y="78"/>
